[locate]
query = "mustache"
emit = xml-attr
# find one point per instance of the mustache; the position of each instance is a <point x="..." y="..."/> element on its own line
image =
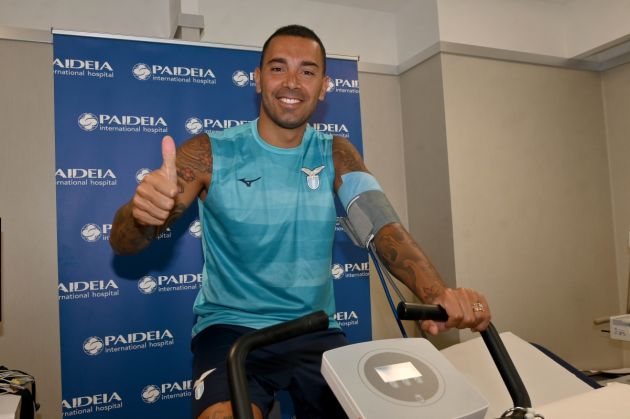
<point x="290" y="93"/>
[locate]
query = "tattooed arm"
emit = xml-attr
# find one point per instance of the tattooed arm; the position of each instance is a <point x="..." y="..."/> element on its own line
<point x="163" y="195"/>
<point x="406" y="261"/>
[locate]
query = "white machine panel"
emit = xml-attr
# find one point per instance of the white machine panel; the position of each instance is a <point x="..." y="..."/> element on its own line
<point x="399" y="378"/>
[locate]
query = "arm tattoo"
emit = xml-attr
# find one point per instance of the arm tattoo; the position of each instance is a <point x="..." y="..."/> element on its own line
<point x="193" y="159"/>
<point x="346" y="157"/>
<point x="406" y="261"/>
<point x="129" y="237"/>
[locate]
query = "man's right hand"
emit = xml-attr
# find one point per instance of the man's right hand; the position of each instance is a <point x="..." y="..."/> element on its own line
<point x="155" y="196"/>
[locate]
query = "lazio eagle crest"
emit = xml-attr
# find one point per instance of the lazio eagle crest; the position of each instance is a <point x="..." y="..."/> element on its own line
<point x="312" y="176"/>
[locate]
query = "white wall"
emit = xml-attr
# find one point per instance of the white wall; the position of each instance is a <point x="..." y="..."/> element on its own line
<point x="532" y="26"/>
<point x="616" y="95"/>
<point x="344" y="30"/>
<point x="531" y="199"/>
<point x="383" y="149"/>
<point x="150" y="18"/>
<point x="29" y="331"/>
<point x="594" y="23"/>
<point x="417" y="28"/>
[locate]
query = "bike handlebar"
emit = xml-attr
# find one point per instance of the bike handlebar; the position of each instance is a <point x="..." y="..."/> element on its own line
<point x="241" y="404"/>
<point x="500" y="356"/>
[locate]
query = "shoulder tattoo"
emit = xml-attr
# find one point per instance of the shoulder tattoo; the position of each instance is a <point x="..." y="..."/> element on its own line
<point x="194" y="159"/>
<point x="346" y="157"/>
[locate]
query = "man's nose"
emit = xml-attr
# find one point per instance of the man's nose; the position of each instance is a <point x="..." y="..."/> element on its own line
<point x="291" y="80"/>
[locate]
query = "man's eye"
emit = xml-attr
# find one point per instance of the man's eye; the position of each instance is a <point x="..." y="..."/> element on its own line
<point x="276" y="69"/>
<point x="308" y="73"/>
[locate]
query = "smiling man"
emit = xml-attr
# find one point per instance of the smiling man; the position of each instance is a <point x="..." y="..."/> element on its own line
<point x="266" y="197"/>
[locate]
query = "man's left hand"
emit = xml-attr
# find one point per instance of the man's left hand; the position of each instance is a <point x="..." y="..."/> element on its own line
<point x="466" y="308"/>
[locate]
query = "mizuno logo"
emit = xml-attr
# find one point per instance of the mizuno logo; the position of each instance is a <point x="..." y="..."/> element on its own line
<point x="248" y="182"/>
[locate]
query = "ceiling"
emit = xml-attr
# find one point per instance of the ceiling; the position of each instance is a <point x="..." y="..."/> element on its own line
<point x="392" y="6"/>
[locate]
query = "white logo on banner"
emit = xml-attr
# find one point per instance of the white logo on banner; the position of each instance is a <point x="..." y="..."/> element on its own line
<point x="88" y="121"/>
<point x="195" y="228"/>
<point x="123" y="123"/>
<point x="140" y="174"/>
<point x="332" y="128"/>
<point x="91" y="404"/>
<point x="92" y="232"/>
<point x="176" y="74"/>
<point x="81" y="68"/>
<point x="342" y="85"/>
<point x="194" y="125"/>
<point x="167" y="391"/>
<point x="242" y="78"/>
<point x="150" y="394"/>
<point x="330" y="85"/>
<point x="170" y="283"/>
<point x="85" y="177"/>
<point x="81" y="290"/>
<point x="347" y="318"/>
<point x="141" y="71"/>
<point x="337" y="271"/>
<point x="93" y="346"/>
<point x="351" y="270"/>
<point x="147" y="285"/>
<point x="133" y="341"/>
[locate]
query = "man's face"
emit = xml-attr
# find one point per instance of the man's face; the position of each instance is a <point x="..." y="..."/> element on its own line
<point x="291" y="80"/>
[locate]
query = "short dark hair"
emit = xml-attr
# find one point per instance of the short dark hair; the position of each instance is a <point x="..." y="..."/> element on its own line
<point x="295" y="30"/>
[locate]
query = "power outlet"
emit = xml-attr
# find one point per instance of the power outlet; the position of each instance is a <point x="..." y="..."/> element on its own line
<point x="620" y="327"/>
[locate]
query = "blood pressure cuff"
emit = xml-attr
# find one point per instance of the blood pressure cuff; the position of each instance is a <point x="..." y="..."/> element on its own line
<point x="367" y="207"/>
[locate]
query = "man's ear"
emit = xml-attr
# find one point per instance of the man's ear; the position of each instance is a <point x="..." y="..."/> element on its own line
<point x="325" y="85"/>
<point x="257" y="79"/>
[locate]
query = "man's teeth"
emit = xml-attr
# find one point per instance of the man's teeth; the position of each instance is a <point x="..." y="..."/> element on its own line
<point x="289" y="100"/>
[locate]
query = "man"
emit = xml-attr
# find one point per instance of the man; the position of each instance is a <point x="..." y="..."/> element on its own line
<point x="266" y="202"/>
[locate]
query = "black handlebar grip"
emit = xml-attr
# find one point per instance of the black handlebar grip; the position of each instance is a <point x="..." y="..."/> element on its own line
<point x="506" y="367"/>
<point x="241" y="404"/>
<point x="413" y="311"/>
<point x="500" y="356"/>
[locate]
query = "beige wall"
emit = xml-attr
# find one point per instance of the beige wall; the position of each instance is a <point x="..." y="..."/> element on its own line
<point x="531" y="201"/>
<point x="427" y="172"/>
<point x="616" y="94"/>
<point x="29" y="331"/>
<point x="383" y="151"/>
<point x="508" y="192"/>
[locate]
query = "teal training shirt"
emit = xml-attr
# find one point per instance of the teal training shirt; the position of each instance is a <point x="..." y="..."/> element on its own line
<point x="268" y="226"/>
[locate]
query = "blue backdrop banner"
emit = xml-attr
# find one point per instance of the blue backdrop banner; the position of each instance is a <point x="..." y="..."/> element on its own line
<point x="126" y="321"/>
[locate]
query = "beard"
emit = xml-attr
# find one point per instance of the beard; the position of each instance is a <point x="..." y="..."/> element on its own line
<point x="286" y="121"/>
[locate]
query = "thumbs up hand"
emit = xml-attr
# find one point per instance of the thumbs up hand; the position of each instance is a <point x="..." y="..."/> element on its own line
<point x="155" y="197"/>
<point x="168" y="159"/>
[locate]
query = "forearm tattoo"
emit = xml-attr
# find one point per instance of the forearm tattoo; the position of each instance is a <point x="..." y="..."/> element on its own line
<point x="406" y="261"/>
<point x="130" y="237"/>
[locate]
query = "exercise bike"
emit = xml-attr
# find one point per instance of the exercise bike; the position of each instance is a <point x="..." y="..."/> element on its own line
<point x="396" y="378"/>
